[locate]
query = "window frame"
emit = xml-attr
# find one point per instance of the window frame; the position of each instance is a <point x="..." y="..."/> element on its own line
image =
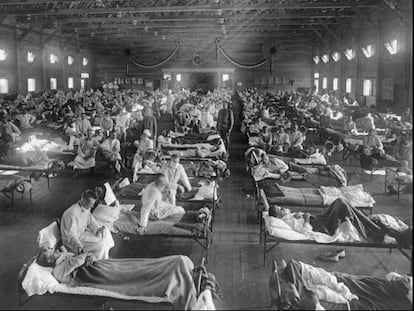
<point x="4" y="88"/>
<point x="31" y="85"/>
<point x="55" y="83"/>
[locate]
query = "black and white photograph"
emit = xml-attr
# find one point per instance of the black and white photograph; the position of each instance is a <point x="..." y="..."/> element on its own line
<point x="206" y="154"/>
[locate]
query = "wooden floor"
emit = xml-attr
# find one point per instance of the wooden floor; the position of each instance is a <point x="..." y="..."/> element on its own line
<point x="236" y="258"/>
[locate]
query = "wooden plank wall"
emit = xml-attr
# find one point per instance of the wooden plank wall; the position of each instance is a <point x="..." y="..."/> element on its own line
<point x="17" y="70"/>
<point x="293" y="64"/>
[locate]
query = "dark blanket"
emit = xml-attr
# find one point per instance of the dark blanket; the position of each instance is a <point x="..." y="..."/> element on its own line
<point x="374" y="293"/>
<point x="165" y="279"/>
<point x="270" y="188"/>
<point x="336" y="214"/>
<point x="131" y="192"/>
<point x="180" y="224"/>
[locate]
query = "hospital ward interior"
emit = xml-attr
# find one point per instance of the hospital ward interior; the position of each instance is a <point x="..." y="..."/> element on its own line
<point x="206" y="154"/>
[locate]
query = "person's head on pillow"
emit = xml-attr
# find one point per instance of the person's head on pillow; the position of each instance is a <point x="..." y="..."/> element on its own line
<point x="47" y="256"/>
<point x="100" y="192"/>
<point x="277" y="211"/>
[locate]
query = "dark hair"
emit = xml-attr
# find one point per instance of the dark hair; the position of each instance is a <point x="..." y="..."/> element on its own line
<point x="41" y="259"/>
<point x="273" y="211"/>
<point x="174" y="156"/>
<point x="88" y="195"/>
<point x="158" y="178"/>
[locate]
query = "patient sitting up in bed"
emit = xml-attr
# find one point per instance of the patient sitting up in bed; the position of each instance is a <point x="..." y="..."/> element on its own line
<point x="153" y="205"/>
<point x="175" y="173"/>
<point x="167" y="278"/>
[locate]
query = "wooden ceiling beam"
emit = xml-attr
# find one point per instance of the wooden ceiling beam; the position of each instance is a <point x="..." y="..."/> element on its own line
<point x="30" y="2"/>
<point x="346" y="26"/>
<point x="271" y="17"/>
<point x="320" y="36"/>
<point x="333" y="34"/>
<point x="86" y="28"/>
<point x="392" y="5"/>
<point x="26" y="32"/>
<point x="51" y="36"/>
<point x="365" y="17"/>
<point x="341" y="4"/>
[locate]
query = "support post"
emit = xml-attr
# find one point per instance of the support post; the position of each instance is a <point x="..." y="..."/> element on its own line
<point x="380" y="43"/>
<point x="17" y="57"/>
<point x="42" y="62"/>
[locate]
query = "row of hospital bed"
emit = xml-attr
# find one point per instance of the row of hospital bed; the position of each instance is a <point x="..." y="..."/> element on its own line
<point x="289" y="286"/>
<point x="205" y="175"/>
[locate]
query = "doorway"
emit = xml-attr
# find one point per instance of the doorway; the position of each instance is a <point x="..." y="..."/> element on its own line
<point x="202" y="81"/>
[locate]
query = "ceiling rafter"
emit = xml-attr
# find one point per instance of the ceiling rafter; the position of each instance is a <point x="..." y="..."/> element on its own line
<point x="342" y="4"/>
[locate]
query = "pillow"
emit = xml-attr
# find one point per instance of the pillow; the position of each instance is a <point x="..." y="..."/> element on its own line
<point x="38" y="280"/>
<point x="49" y="236"/>
<point x="106" y="213"/>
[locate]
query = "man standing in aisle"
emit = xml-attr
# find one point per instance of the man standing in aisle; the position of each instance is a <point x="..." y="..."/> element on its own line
<point x="225" y="122"/>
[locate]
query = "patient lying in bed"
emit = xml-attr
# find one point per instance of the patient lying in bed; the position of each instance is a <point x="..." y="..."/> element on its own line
<point x="167" y="278"/>
<point x="202" y="151"/>
<point x="341" y="222"/>
<point x="299" y="286"/>
<point x="275" y="168"/>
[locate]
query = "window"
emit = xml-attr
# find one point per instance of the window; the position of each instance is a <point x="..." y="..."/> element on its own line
<point x="53" y="83"/>
<point x="335" y="83"/>
<point x="3" y="54"/>
<point x="53" y="59"/>
<point x="30" y="57"/>
<point x="335" y="56"/>
<point x="316" y="84"/>
<point x="348" y="85"/>
<point x="316" y="75"/>
<point x="167" y="76"/>
<point x="82" y="84"/>
<point x="325" y="83"/>
<point x="71" y="59"/>
<point x="349" y="54"/>
<point x="70" y="83"/>
<point x="392" y="46"/>
<point x="368" y="87"/>
<point x="178" y="77"/>
<point x="31" y="85"/>
<point x="316" y="59"/>
<point x="368" y="51"/>
<point x="225" y="77"/>
<point x="4" y="86"/>
<point x="85" y="61"/>
<point x="84" y="75"/>
<point x="325" y="58"/>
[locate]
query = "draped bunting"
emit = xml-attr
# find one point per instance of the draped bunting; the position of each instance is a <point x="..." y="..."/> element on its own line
<point x="159" y="63"/>
<point x="236" y="63"/>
